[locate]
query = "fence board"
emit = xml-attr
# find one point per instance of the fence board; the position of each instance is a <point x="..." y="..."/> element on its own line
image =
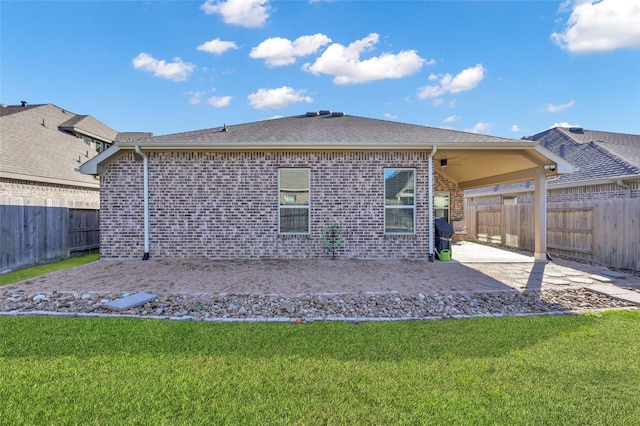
<point x="84" y="229"/>
<point x="30" y="235"/>
<point x="606" y="232"/>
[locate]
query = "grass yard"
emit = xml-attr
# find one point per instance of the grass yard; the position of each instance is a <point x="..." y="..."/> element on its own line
<point x="555" y="370"/>
<point x="36" y="271"/>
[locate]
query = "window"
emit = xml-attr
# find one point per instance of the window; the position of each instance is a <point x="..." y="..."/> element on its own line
<point x="510" y="199"/>
<point x="441" y="205"/>
<point x="293" y="193"/>
<point x="399" y="201"/>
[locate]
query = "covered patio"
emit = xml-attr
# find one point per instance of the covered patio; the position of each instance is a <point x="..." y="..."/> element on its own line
<point x="485" y="164"/>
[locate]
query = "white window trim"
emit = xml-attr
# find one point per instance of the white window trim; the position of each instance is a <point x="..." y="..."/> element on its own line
<point x="385" y="206"/>
<point x="308" y="206"/>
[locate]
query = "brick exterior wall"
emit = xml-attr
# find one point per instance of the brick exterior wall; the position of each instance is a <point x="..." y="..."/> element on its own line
<point x="224" y="205"/>
<point x="28" y="193"/>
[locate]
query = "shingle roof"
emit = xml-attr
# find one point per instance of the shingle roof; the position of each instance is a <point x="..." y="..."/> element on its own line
<point x="12" y="109"/>
<point x="88" y="125"/>
<point x="33" y="147"/>
<point x="132" y="136"/>
<point x="596" y="154"/>
<point x="329" y="128"/>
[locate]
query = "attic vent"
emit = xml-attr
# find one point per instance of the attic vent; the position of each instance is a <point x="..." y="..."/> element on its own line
<point x="312" y="114"/>
<point x="337" y="114"/>
<point x="576" y="129"/>
<point x="325" y="112"/>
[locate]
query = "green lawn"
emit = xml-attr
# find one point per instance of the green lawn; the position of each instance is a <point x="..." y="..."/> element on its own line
<point x="23" y="274"/>
<point x="552" y="370"/>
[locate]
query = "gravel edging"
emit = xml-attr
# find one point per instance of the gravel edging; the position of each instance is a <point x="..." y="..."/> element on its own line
<point x="388" y="306"/>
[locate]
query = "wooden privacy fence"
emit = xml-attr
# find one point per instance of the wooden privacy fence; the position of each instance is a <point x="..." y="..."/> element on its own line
<point x="36" y="234"/>
<point x="605" y="232"/>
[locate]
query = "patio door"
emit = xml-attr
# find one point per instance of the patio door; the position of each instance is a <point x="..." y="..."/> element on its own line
<point x="441" y="205"/>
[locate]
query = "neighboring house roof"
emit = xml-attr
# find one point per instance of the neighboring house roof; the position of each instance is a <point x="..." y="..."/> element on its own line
<point x="597" y="155"/>
<point x="87" y="125"/>
<point x="132" y="136"/>
<point x="40" y="143"/>
<point x="484" y="159"/>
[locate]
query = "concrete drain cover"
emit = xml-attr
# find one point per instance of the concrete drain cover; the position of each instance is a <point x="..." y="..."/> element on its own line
<point x="128" y="302"/>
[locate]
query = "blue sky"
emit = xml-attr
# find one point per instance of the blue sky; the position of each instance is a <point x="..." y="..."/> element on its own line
<point x="506" y="68"/>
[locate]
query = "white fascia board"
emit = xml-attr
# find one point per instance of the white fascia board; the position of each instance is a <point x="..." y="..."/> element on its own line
<point x="91" y="167"/>
<point x="324" y="145"/>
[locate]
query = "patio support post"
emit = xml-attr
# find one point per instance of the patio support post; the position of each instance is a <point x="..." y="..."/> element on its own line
<point x="145" y="160"/>
<point x="431" y="230"/>
<point x="540" y="216"/>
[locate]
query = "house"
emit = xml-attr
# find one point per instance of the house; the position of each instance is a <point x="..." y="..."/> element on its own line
<point x="594" y="210"/>
<point x="269" y="189"/>
<point x="46" y="206"/>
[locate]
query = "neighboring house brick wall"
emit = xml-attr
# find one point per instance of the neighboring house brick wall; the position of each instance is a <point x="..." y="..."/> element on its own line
<point x="22" y="192"/>
<point x="609" y="191"/>
<point x="224" y="205"/>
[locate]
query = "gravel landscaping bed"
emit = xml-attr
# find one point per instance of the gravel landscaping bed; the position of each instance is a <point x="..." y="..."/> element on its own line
<point x="306" y="307"/>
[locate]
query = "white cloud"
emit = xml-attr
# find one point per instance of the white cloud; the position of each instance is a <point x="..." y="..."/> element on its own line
<point x="217" y="46"/>
<point x="452" y="119"/>
<point x="278" y="51"/>
<point x="176" y="71"/>
<point x="564" y="124"/>
<point x="600" y="26"/>
<point x="345" y="64"/>
<point x="277" y="98"/>
<point x="466" y="80"/>
<point x="246" y="13"/>
<point x="481" y="128"/>
<point x="390" y="116"/>
<point x="219" y="101"/>
<point x="516" y="128"/>
<point x="557" y="108"/>
<point x="195" y="97"/>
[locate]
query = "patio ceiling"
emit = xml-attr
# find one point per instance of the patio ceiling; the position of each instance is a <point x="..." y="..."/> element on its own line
<point x="478" y="167"/>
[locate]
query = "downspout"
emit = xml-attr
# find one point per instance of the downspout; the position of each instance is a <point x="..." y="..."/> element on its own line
<point x="145" y="160"/>
<point x="431" y="230"/>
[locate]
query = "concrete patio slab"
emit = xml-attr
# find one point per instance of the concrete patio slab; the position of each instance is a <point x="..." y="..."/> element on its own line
<point x="616" y="292"/>
<point x="468" y="252"/>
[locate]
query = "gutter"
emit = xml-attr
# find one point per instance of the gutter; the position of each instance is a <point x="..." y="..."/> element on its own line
<point x="431" y="226"/>
<point x="145" y="159"/>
